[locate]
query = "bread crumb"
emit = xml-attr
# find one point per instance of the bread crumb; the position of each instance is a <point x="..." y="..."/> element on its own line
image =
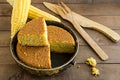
<point x="95" y="71"/>
<point x="91" y="61"/>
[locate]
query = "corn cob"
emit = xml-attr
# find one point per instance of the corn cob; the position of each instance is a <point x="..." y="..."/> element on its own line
<point x="35" y="13"/>
<point x="10" y="2"/>
<point x="19" y="15"/>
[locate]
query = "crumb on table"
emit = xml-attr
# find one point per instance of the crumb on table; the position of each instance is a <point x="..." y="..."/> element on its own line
<point x="91" y="61"/>
<point x="95" y="71"/>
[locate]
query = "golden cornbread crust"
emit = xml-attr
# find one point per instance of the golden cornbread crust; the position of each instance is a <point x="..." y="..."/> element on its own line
<point x="34" y="33"/>
<point x="38" y="57"/>
<point x="61" y="41"/>
<point x="58" y="34"/>
<point x="34" y="26"/>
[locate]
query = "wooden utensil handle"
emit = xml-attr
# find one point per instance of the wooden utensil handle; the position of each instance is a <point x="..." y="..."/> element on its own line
<point x="90" y="41"/>
<point x="85" y="22"/>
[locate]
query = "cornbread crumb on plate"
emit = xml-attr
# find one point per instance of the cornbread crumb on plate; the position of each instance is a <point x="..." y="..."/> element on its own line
<point x="61" y="41"/>
<point x="34" y="33"/>
<point x="38" y="57"/>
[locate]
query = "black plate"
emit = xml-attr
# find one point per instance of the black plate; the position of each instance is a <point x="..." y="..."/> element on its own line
<point x="58" y="60"/>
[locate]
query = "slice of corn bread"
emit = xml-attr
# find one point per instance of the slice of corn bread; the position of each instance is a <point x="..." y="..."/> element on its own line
<point x="61" y="41"/>
<point x="34" y="33"/>
<point x="37" y="56"/>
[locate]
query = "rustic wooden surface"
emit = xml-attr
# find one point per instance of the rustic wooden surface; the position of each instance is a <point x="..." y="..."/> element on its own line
<point x="106" y="12"/>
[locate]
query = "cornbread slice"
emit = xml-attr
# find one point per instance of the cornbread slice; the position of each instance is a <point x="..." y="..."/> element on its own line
<point x="37" y="56"/>
<point x="34" y="33"/>
<point x="61" y="41"/>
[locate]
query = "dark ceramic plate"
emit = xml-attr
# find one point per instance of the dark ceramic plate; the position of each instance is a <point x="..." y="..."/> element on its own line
<point x="59" y="61"/>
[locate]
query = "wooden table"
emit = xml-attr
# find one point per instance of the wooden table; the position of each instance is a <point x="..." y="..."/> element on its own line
<point x="106" y="12"/>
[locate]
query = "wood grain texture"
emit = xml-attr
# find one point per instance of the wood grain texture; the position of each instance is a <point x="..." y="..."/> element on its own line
<point x="96" y="9"/>
<point x="65" y="1"/>
<point x="83" y="9"/>
<point x="85" y="22"/>
<point x="5" y="9"/>
<point x="72" y="1"/>
<point x="110" y="21"/>
<point x="5" y="56"/>
<point x="84" y="53"/>
<point x="92" y="9"/>
<point x="99" y="38"/>
<point x="85" y="35"/>
<point x="56" y="1"/>
<point x="4" y="38"/>
<point x="108" y="71"/>
<point x="106" y="1"/>
<point x="106" y="12"/>
<point x="9" y="72"/>
<point x="2" y="1"/>
<point x="5" y="23"/>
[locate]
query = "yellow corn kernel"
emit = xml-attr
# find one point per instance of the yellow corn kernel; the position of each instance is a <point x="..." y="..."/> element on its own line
<point x="19" y="15"/>
<point x="35" y="13"/>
